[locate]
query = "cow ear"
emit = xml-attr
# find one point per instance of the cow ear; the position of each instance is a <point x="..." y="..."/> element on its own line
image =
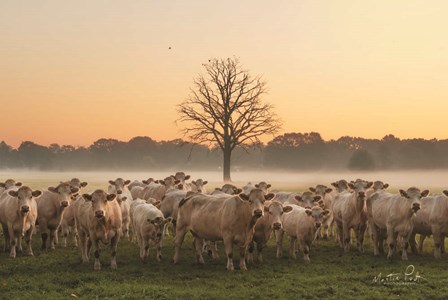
<point x="156" y="181"/>
<point x="111" y="182"/>
<point x="84" y="184"/>
<point x="238" y="191"/>
<point x="157" y="204"/>
<point x="269" y="196"/>
<point x="298" y="198"/>
<point x="87" y="197"/>
<point x="150" y="221"/>
<point x="321" y="203"/>
<point x="350" y="185"/>
<point x="287" y="209"/>
<point x="268" y="186"/>
<point x="369" y="184"/>
<point x="218" y="189"/>
<point x="266" y="208"/>
<point x="187" y="177"/>
<point x="18" y="184"/>
<point x="145" y="181"/>
<point x="257" y="185"/>
<point x="317" y="198"/>
<point x="2" y="185"/>
<point x="386" y="185"/>
<point x="123" y="198"/>
<point x="162" y="182"/>
<point x="312" y="189"/>
<point x="168" y="220"/>
<point x="110" y="197"/>
<point x="308" y="211"/>
<point x="36" y="193"/>
<point x="403" y="193"/>
<point x="53" y="189"/>
<point x="13" y="193"/>
<point x="425" y="193"/>
<point x="334" y="184"/>
<point x="205" y="182"/>
<point x="127" y="182"/>
<point x="445" y="192"/>
<point x="243" y="197"/>
<point x="328" y="190"/>
<point x="73" y="190"/>
<point x="326" y="212"/>
<point x="194" y="182"/>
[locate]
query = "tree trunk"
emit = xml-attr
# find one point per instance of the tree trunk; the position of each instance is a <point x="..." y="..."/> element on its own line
<point x="227" y="153"/>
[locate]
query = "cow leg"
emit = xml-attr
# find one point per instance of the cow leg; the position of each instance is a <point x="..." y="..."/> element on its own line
<point x="12" y="241"/>
<point x="53" y="234"/>
<point x="442" y="249"/>
<point x="250" y="252"/>
<point x="279" y="242"/>
<point x="391" y="241"/>
<point x="413" y="243"/>
<point x="228" y="245"/>
<point x="360" y="237"/>
<point x="83" y="237"/>
<point x="159" y="250"/>
<point x="113" y="247"/>
<point x="64" y="232"/>
<point x="346" y="236"/>
<point x="375" y="238"/>
<point x="421" y="240"/>
<point x="305" y="248"/>
<point x="437" y="237"/>
<point x="96" y="246"/>
<point x="260" y="247"/>
<point x="243" y="266"/>
<point x="142" y="243"/>
<point x="56" y="237"/>
<point x="28" y="236"/>
<point x="214" y="250"/>
<point x="197" y="245"/>
<point x="44" y="233"/>
<point x="6" y="235"/>
<point x="292" y="247"/>
<point x="178" y="240"/>
<point x="340" y="236"/>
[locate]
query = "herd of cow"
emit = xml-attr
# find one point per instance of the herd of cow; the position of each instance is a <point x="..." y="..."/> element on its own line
<point x="244" y="217"/>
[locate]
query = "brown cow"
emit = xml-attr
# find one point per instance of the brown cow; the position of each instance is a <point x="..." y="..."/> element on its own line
<point x="98" y="217"/>
<point x="18" y="214"/>
<point x="211" y="218"/>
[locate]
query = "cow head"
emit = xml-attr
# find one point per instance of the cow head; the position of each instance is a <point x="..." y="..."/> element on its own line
<point x="321" y="190"/>
<point x="11" y="183"/>
<point x="341" y="185"/>
<point x="275" y="211"/>
<point x="148" y="181"/>
<point x="414" y="195"/>
<point x="24" y="196"/>
<point x="159" y="225"/>
<point x="359" y="188"/>
<point x="379" y="185"/>
<point x="75" y="182"/>
<point x="65" y="192"/>
<point x="263" y="186"/>
<point x="198" y="185"/>
<point x="308" y="200"/>
<point x="318" y="214"/>
<point x="99" y="199"/>
<point x="119" y="184"/>
<point x="181" y="177"/>
<point x="256" y="199"/>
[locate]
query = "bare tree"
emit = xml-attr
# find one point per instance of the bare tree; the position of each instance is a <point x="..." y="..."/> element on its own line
<point x="225" y="108"/>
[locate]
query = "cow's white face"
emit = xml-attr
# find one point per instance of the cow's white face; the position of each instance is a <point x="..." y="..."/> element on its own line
<point x="256" y="200"/>
<point x="275" y="211"/>
<point x="24" y="196"/>
<point x="199" y="185"/>
<point x="413" y="196"/>
<point x="159" y="225"/>
<point x="117" y="187"/>
<point x="359" y="187"/>
<point x="321" y="190"/>
<point x="99" y="200"/>
<point x="318" y="214"/>
<point x="64" y="192"/>
<point x="308" y="200"/>
<point x="264" y="186"/>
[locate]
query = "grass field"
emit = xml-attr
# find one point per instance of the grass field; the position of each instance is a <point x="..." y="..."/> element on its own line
<point x="59" y="274"/>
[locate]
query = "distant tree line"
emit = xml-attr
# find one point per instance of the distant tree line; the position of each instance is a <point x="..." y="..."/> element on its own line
<point x="290" y="151"/>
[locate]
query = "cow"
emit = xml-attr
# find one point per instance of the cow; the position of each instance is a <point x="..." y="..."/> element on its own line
<point x="287" y="197"/>
<point x="8" y="184"/>
<point x="429" y="220"/>
<point x="392" y="216"/>
<point x="51" y="206"/>
<point x="349" y="213"/>
<point x="264" y="226"/>
<point x="18" y="214"/>
<point x="300" y="224"/>
<point x="197" y="185"/>
<point x="327" y="196"/>
<point x="142" y="183"/>
<point x="119" y="187"/>
<point x="98" y="217"/>
<point x="68" y="219"/>
<point x="227" y="188"/>
<point x="377" y="185"/>
<point x="181" y="177"/>
<point x="158" y="190"/>
<point x="308" y="200"/>
<point x="340" y="186"/>
<point x="262" y="186"/>
<point x="230" y="219"/>
<point x="148" y="223"/>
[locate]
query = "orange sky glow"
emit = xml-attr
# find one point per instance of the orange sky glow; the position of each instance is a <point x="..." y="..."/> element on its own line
<point x="75" y="71"/>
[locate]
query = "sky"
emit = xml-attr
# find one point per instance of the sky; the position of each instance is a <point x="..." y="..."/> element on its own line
<point x="75" y="71"/>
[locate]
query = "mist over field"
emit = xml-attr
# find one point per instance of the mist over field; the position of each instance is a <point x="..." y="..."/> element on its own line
<point x="435" y="180"/>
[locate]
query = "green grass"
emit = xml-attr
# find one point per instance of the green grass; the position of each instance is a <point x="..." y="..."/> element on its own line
<point x="59" y="274"/>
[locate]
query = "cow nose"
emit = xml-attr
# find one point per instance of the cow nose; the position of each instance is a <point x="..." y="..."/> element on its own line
<point x="99" y="214"/>
<point x="318" y="225"/>
<point x="258" y="213"/>
<point x="119" y="192"/>
<point x="159" y="234"/>
<point x="199" y="190"/>
<point x="361" y="194"/>
<point x="277" y="226"/>
<point x="415" y="206"/>
<point x="25" y="208"/>
<point x="64" y="203"/>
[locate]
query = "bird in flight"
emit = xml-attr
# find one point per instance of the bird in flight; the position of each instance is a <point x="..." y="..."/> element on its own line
<point x="169" y="48"/>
